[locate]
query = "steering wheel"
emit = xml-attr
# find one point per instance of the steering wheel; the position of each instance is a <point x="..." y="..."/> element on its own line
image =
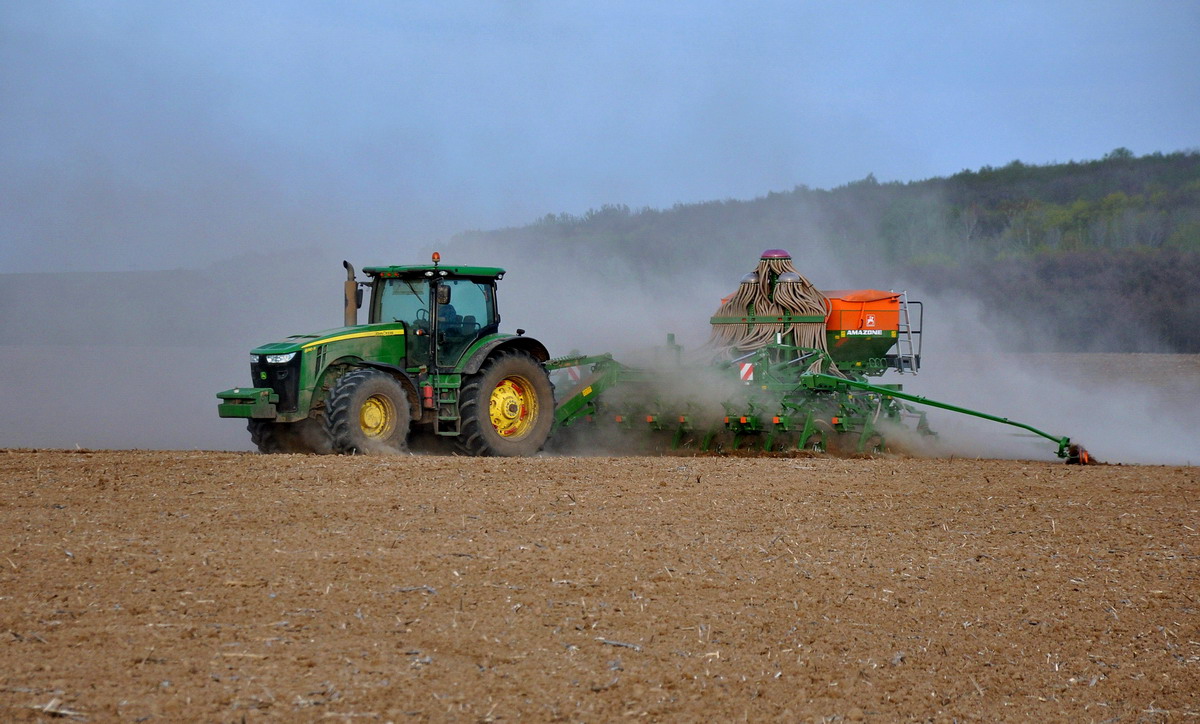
<point x="421" y="321"/>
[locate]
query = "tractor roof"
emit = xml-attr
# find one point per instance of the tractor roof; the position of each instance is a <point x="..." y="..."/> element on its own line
<point x="421" y="269"/>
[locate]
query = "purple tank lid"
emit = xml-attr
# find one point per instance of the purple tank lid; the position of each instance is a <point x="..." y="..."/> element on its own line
<point x="776" y="254"/>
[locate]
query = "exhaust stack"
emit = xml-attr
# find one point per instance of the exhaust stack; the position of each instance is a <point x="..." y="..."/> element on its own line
<point x="351" y="301"/>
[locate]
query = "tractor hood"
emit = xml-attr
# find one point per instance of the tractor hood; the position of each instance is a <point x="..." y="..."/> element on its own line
<point x="299" y="342"/>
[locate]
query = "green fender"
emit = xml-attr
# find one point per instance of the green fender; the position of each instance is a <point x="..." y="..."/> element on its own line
<point x="470" y="363"/>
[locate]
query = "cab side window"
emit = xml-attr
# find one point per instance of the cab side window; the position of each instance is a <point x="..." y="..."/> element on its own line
<point x="470" y="305"/>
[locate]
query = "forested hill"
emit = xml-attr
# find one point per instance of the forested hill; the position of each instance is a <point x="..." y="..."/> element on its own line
<point x="1104" y="254"/>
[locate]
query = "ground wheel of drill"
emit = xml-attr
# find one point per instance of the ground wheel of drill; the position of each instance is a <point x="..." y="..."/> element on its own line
<point x="506" y="409"/>
<point x="1078" y="455"/>
<point x="873" y="445"/>
<point x="367" y="413"/>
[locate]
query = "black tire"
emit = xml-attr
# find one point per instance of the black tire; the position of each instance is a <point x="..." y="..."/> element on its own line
<point x="513" y="389"/>
<point x="268" y="437"/>
<point x="367" y="413"/>
<point x="306" y="437"/>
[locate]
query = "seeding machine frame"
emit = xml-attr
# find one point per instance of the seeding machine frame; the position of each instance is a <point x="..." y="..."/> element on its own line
<point x="784" y="408"/>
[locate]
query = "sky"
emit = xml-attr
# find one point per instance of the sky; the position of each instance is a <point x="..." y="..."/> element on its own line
<point x="141" y="135"/>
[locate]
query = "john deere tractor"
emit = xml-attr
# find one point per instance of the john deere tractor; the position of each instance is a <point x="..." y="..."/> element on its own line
<point x="429" y="362"/>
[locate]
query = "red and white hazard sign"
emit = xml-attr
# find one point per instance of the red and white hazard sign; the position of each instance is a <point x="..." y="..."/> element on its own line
<point x="746" y="371"/>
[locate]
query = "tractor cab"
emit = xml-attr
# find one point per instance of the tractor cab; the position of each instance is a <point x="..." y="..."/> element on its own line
<point x="444" y="309"/>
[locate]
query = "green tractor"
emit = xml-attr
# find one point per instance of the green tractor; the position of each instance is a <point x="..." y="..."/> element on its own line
<point x="430" y="363"/>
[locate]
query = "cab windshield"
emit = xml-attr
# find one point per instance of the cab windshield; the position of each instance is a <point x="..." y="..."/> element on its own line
<point x="402" y="300"/>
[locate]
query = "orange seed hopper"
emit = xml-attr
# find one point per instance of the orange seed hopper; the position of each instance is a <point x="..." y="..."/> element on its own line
<point x="863" y="324"/>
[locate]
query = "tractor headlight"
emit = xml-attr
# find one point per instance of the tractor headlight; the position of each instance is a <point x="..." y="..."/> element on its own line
<point x="279" y="359"/>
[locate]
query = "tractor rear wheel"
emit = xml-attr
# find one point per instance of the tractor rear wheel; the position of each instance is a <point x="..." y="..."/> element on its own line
<point x="506" y="409"/>
<point x="367" y="413"/>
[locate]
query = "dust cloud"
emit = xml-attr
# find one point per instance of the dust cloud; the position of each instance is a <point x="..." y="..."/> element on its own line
<point x="609" y="296"/>
<point x="1130" y="408"/>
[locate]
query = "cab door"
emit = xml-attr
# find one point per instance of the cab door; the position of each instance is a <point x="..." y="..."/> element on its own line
<point x="465" y="311"/>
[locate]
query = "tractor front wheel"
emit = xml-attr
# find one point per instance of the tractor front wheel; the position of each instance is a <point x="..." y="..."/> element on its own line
<point x="269" y="437"/>
<point x="506" y="410"/>
<point x="306" y="436"/>
<point x="367" y="413"/>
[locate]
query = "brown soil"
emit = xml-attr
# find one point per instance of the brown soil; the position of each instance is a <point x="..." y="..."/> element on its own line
<point x="227" y="586"/>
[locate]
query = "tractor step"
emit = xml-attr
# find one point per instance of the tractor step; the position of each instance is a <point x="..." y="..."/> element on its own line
<point x="447" y="423"/>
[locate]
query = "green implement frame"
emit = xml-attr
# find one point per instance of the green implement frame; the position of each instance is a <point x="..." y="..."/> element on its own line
<point x="819" y="381"/>
<point x="579" y="401"/>
<point x="793" y="396"/>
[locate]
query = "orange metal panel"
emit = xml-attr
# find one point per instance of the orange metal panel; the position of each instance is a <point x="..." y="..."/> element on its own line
<point x="863" y="309"/>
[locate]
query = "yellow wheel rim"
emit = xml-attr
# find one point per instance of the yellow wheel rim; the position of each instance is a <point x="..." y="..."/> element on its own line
<point x="513" y="407"/>
<point x="377" y="417"/>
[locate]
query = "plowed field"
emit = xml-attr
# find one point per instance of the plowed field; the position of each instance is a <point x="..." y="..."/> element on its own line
<point x="146" y="586"/>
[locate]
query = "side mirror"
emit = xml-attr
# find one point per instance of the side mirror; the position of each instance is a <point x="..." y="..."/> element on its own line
<point x="443" y="294"/>
<point x="358" y="297"/>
